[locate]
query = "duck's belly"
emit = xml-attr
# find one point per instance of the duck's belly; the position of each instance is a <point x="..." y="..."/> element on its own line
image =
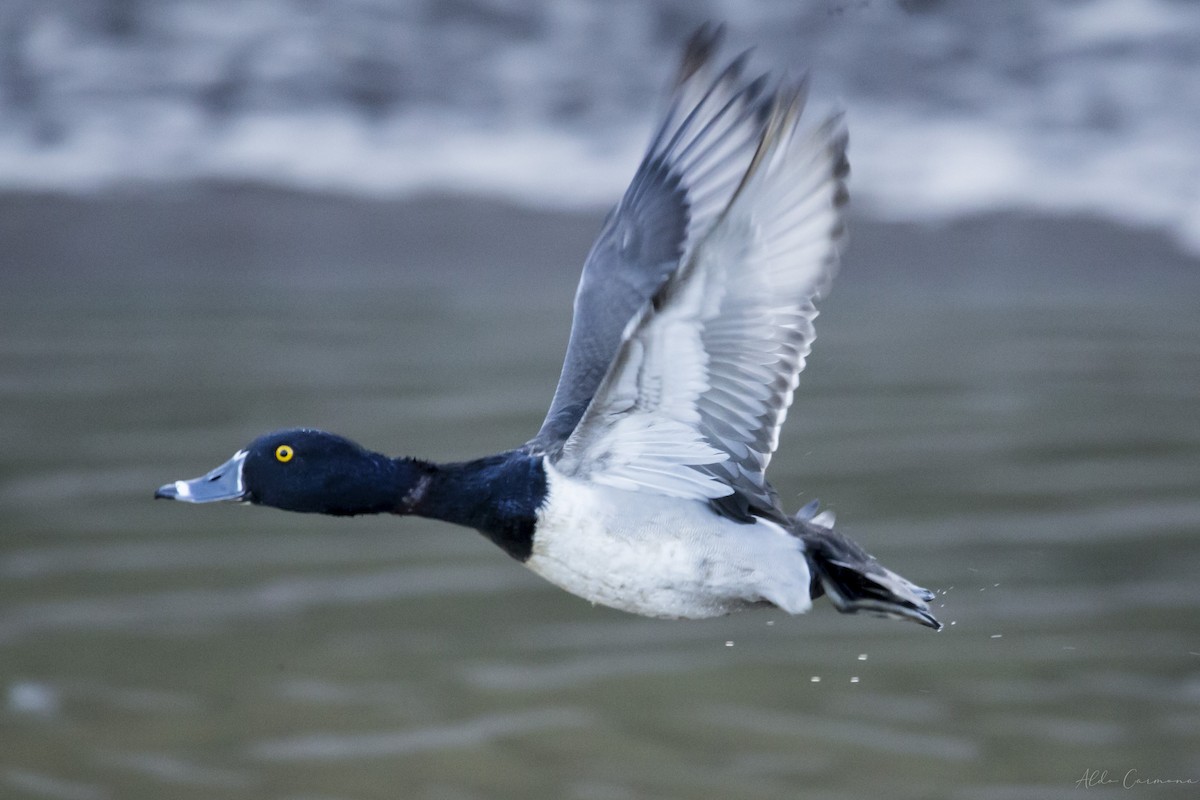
<point x="661" y="556"/>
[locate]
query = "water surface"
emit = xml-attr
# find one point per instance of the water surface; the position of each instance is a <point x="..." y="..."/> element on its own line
<point x="1030" y="451"/>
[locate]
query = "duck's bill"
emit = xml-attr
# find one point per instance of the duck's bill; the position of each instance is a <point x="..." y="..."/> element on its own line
<point x="223" y="483"/>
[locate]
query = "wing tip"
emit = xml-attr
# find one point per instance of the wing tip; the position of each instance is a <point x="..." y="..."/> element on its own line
<point x="699" y="50"/>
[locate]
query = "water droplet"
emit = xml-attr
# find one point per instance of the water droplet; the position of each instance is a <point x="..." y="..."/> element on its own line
<point x="30" y="697"/>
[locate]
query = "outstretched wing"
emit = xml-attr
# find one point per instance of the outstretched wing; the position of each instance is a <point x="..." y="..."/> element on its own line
<point x="694" y="401"/>
<point x="686" y="178"/>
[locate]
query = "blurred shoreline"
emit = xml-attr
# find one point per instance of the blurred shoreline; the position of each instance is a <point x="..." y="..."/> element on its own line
<point x="193" y="233"/>
<point x="955" y="108"/>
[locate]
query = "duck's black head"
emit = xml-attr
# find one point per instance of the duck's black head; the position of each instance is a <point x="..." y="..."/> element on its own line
<point x="298" y="470"/>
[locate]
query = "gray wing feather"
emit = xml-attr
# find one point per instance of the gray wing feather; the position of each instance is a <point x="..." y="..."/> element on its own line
<point x="752" y="377"/>
<point x="689" y="172"/>
<point x="695" y="398"/>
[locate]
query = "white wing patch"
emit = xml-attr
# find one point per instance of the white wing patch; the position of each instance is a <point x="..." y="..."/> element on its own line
<point x="693" y="402"/>
<point x="651" y="419"/>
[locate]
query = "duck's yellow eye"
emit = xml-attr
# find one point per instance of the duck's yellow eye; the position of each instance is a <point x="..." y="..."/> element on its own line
<point x="284" y="453"/>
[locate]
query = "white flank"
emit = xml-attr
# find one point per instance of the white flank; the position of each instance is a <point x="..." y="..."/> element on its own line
<point x="659" y="556"/>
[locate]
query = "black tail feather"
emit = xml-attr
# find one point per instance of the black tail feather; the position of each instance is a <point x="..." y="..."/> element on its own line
<point x="856" y="582"/>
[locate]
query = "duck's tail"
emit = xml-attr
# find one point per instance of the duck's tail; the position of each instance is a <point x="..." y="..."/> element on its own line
<point x="855" y="581"/>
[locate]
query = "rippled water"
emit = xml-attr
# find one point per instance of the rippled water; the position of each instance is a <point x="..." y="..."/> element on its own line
<point x="1032" y="455"/>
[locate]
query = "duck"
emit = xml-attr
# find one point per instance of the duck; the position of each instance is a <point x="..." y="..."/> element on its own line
<point x="645" y="487"/>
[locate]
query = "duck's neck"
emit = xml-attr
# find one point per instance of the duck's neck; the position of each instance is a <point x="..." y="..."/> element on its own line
<point x="498" y="496"/>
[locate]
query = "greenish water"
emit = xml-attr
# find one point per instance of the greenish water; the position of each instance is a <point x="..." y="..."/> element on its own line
<point x="1032" y="456"/>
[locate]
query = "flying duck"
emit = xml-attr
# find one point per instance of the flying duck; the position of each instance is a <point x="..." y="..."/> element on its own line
<point x="645" y="488"/>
